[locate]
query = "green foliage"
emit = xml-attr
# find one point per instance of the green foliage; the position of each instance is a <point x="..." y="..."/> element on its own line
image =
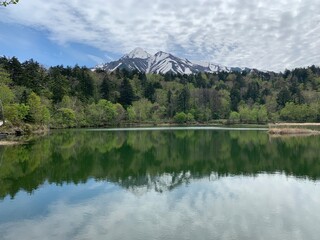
<point x="283" y="97"/>
<point x="235" y="98"/>
<point x="256" y="114"/>
<point x="203" y="114"/>
<point x="262" y="114"/>
<point x="101" y="114"/>
<point x="6" y="94"/>
<point x="300" y="113"/>
<point x="158" y="112"/>
<point x="16" y="113"/>
<point x="108" y="111"/>
<point x="182" y="117"/>
<point x="46" y="116"/>
<point x="190" y="117"/>
<point x="126" y="93"/>
<point x="65" y="117"/>
<point x="59" y="85"/>
<point x="234" y="117"/>
<point x="142" y="109"/>
<point x="183" y="101"/>
<point x="120" y="113"/>
<point x="131" y="114"/>
<point x="105" y="88"/>
<point x="38" y="113"/>
<point x="4" y="77"/>
<point x="33" y="77"/>
<point x="150" y="91"/>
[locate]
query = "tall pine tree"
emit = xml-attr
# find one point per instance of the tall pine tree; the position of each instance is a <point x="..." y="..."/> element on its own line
<point x="126" y="93"/>
<point x="105" y="88"/>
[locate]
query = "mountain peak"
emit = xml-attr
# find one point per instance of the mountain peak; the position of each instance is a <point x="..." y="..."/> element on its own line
<point x="162" y="62"/>
<point x="161" y="53"/>
<point x="137" y="53"/>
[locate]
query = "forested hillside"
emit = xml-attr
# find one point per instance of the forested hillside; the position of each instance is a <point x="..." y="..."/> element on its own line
<point x="78" y="97"/>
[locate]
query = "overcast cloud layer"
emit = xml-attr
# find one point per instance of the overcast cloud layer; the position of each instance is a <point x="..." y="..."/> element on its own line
<point x="271" y="35"/>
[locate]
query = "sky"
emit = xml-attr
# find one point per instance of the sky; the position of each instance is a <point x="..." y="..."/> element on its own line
<point x="268" y="35"/>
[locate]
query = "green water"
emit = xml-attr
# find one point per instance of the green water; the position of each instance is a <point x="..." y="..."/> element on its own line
<point x="161" y="184"/>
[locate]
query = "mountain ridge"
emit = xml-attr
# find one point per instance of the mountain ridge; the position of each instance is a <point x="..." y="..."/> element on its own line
<point x="163" y="62"/>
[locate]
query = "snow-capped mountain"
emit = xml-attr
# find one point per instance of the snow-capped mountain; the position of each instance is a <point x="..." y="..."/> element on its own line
<point x="162" y="182"/>
<point x="213" y="67"/>
<point x="161" y="62"/>
<point x="137" y="53"/>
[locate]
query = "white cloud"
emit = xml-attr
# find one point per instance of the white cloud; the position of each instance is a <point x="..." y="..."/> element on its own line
<point x="264" y="34"/>
<point x="264" y="207"/>
<point x="96" y="59"/>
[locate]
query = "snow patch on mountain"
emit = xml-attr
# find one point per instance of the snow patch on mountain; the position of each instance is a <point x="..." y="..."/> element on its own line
<point x="138" y="53"/>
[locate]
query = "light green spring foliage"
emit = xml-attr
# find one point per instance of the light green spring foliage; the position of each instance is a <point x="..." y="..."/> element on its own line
<point x="234" y="117"/>
<point x="16" y="113"/>
<point x="182" y="117"/>
<point x="300" y="113"/>
<point x="65" y="117"/>
<point x="142" y="109"/>
<point x="131" y="114"/>
<point x="38" y="113"/>
<point x="6" y="95"/>
<point x="255" y="114"/>
<point x="4" y="77"/>
<point x="102" y="113"/>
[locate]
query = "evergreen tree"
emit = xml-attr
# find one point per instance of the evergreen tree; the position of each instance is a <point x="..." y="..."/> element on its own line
<point x="183" y="103"/>
<point x="24" y="97"/>
<point x="149" y="92"/>
<point x="253" y="91"/>
<point x="126" y="93"/>
<point x="170" y="104"/>
<point x="59" y="85"/>
<point x="16" y="71"/>
<point x="283" y="97"/>
<point x="105" y="88"/>
<point x="84" y="82"/>
<point x="33" y="76"/>
<point x="235" y="98"/>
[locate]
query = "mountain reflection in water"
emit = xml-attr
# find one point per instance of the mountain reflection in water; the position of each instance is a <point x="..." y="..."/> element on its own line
<point x="159" y="160"/>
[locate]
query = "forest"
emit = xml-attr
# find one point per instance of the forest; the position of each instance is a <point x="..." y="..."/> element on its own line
<point x="68" y="97"/>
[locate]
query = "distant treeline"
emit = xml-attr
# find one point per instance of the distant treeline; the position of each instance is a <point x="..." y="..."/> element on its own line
<point x="78" y="97"/>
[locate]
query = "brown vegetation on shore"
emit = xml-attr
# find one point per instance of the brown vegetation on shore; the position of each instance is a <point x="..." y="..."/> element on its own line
<point x="293" y="129"/>
<point x="294" y="124"/>
<point x="296" y="131"/>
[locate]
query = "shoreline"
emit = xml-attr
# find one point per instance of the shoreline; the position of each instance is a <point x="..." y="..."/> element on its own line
<point x="11" y="135"/>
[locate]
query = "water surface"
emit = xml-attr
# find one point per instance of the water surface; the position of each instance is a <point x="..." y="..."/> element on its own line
<point x="161" y="184"/>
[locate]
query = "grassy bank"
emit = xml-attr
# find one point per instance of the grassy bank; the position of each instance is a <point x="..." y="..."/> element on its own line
<point x="294" y="129"/>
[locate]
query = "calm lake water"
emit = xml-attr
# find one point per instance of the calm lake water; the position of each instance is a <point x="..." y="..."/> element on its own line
<point x="161" y="184"/>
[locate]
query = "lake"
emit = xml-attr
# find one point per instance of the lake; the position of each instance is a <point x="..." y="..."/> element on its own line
<point x="181" y="183"/>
